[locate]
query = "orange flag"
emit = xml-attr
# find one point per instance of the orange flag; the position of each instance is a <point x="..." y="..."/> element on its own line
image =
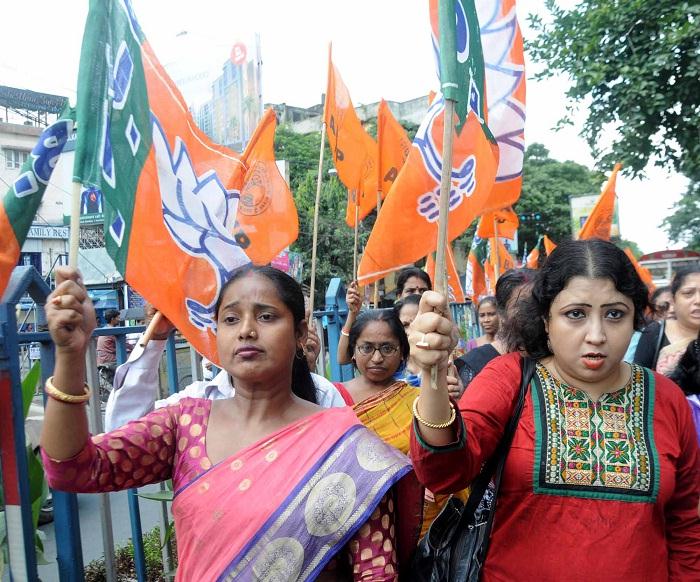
<point x="266" y="211"/>
<point x="406" y="228"/>
<point x="549" y="246"/>
<point x="643" y="272"/>
<point x="475" y="278"/>
<point x="504" y="62"/>
<point x="599" y="221"/>
<point x="354" y="151"/>
<point x="507" y="224"/>
<point x="533" y="259"/>
<point x="499" y="255"/>
<point x="393" y="147"/>
<point x="454" y="287"/>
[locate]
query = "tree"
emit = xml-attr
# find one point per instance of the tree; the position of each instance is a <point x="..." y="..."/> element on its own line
<point x="635" y="65"/>
<point x="684" y="224"/>
<point x="544" y="206"/>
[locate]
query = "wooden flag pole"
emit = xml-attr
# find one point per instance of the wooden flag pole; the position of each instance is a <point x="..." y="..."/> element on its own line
<point x="445" y="185"/>
<point x="357" y="232"/>
<point x="314" y="240"/>
<point x="376" y="283"/>
<point x="74" y="227"/>
<point x="146" y="337"/>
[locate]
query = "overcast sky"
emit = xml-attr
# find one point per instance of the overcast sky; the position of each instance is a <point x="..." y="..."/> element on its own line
<point x="381" y="47"/>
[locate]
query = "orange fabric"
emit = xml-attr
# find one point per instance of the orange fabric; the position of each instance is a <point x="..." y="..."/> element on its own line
<point x="406" y="228"/>
<point x="160" y="271"/>
<point x="499" y="256"/>
<point x="475" y="279"/>
<point x="454" y="286"/>
<point x="643" y="272"/>
<point x="266" y="213"/>
<point x="507" y="224"/>
<point x="599" y="222"/>
<point x="354" y="151"/>
<point x="549" y="246"/>
<point x="393" y="146"/>
<point x="533" y="258"/>
<point x="9" y="250"/>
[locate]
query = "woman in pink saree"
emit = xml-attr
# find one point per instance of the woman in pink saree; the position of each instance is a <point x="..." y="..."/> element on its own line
<point x="269" y="486"/>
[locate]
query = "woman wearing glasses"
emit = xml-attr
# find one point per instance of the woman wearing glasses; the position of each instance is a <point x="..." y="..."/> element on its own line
<point x="378" y="347"/>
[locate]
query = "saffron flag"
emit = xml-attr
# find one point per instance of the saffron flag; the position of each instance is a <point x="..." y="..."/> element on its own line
<point x="643" y="272"/>
<point x="172" y="197"/>
<point x="500" y="258"/>
<point x="533" y="259"/>
<point x="599" y="221"/>
<point x="504" y="62"/>
<point x="406" y="228"/>
<point x="549" y="246"/>
<point x="454" y="287"/>
<point x="475" y="278"/>
<point x="22" y="200"/>
<point x="504" y="219"/>
<point x="393" y="146"/>
<point x="354" y="151"/>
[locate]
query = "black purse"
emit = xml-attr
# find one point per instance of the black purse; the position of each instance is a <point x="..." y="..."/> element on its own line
<point x="455" y="546"/>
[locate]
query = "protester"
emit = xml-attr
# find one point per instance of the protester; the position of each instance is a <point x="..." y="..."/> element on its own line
<point x="602" y="480"/>
<point x="136" y="386"/>
<point x="512" y="287"/>
<point x="487" y="312"/>
<point x="663" y="342"/>
<point x="279" y="487"/>
<point x="661" y="304"/>
<point x="410" y="281"/>
<point x="379" y="348"/>
<point x="406" y="310"/>
<point x="107" y="345"/>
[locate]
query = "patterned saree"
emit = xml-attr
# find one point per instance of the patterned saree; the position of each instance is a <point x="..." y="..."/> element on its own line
<point x="281" y="508"/>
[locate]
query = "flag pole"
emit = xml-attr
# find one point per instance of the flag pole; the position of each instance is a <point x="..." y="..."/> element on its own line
<point x="357" y="232"/>
<point x="317" y="204"/>
<point x="74" y="227"/>
<point x="497" y="265"/>
<point x="379" y="207"/>
<point x="445" y="185"/>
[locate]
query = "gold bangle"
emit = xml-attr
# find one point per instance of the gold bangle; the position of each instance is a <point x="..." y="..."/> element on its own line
<point x="57" y="394"/>
<point x="343" y="332"/>
<point x="453" y="416"/>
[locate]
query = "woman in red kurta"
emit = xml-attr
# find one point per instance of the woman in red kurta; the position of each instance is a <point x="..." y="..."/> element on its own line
<point x="603" y="476"/>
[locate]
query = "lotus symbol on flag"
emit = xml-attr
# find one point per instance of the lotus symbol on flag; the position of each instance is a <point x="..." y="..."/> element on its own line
<point x="199" y="214"/>
<point x="429" y="144"/>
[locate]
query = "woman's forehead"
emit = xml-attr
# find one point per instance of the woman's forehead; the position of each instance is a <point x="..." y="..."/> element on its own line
<point x="593" y="291"/>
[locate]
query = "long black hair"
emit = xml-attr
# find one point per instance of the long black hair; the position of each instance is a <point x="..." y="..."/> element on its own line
<point x="291" y="295"/>
<point x="391" y="319"/>
<point x="687" y="372"/>
<point x="592" y="258"/>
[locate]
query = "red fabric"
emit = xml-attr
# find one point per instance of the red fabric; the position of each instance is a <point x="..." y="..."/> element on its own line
<point x="344" y="393"/>
<point x="550" y="537"/>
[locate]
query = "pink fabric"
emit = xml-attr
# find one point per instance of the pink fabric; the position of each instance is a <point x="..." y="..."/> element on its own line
<point x="171" y="443"/>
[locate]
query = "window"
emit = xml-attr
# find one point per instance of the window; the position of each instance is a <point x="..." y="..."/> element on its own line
<point x="15" y="158"/>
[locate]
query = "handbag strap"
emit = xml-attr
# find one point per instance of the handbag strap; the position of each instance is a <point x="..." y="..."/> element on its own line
<point x="659" y="340"/>
<point x="497" y="460"/>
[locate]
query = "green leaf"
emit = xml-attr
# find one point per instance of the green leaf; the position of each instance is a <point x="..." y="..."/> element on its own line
<point x="158" y="495"/>
<point x="37" y="488"/>
<point x="29" y="386"/>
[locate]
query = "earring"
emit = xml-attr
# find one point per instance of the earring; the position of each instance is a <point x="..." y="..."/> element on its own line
<point x="300" y="354"/>
<point x="549" y="345"/>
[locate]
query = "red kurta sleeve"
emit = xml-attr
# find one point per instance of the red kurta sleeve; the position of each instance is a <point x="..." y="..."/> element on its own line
<point x="136" y="454"/>
<point x="485" y="409"/>
<point x="681" y="511"/>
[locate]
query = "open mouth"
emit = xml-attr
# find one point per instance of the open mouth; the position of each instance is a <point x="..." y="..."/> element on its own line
<point x="593" y="361"/>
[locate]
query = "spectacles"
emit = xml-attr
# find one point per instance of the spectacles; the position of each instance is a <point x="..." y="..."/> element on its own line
<point x="662" y="307"/>
<point x="384" y="349"/>
<point x="414" y="290"/>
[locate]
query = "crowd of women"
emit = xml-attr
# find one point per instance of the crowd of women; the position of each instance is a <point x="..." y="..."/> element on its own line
<point x="601" y="480"/>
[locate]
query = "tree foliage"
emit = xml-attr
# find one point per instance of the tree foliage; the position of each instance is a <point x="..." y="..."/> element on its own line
<point x="683" y="225"/>
<point x="547" y="186"/>
<point x="635" y="65"/>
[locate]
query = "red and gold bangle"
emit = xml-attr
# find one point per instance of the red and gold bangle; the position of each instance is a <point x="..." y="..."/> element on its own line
<point x="56" y="394"/>
<point x="343" y="332"/>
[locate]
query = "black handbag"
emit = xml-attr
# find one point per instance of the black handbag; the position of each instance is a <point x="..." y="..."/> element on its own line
<point x="454" y="547"/>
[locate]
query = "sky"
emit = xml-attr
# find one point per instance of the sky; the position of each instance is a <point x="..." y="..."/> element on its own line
<point x="381" y="47"/>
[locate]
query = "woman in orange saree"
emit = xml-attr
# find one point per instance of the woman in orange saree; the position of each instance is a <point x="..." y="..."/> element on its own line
<point x="269" y="486"/>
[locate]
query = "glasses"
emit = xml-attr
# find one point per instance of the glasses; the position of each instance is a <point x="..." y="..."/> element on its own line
<point x="414" y="290"/>
<point x="662" y="307"/>
<point x="384" y="349"/>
